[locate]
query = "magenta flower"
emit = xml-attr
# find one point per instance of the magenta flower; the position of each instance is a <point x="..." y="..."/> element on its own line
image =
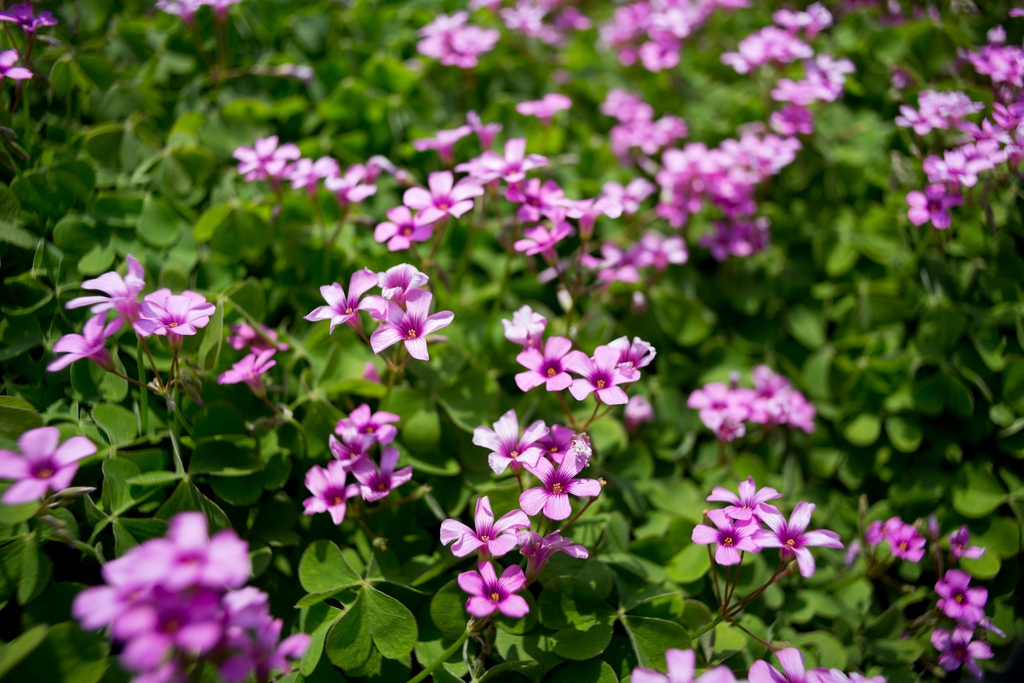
<point x="719" y="405"/>
<point x="44" y="464"/>
<point x="342" y="309"/>
<point x="906" y="543"/>
<point x="189" y="623"/>
<point x="27" y="20"/>
<point x="377" y="482"/>
<point x="792" y="537"/>
<point x="455" y="43"/>
<point x="259" y="651"/>
<point x="539" y="240"/>
<point x="364" y="421"/>
<point x="536" y="198"/>
<point x="173" y="315"/>
<point x="265" y="159"/>
<point x="443" y="199"/>
<point x="793" y="119"/>
<point x="250" y="370"/>
<point x="792" y="661"/>
<point x="490" y="538"/>
<point x="488" y="593"/>
<point x="220" y="8"/>
<point x="443" y="142"/>
<point x="538" y="549"/>
<point x="958" y="600"/>
<point x="750" y="501"/>
<point x="958" y="541"/>
<point x="352" y="187"/>
<point x="614" y="265"/>
<point x="630" y="196"/>
<point x="959" y="648"/>
<point x="659" y="251"/>
<point x="507" y="446"/>
<point x="600" y="374"/>
<point x="7" y="68"/>
<point x="402" y="229"/>
<point x="243" y="334"/>
<point x="370" y="373"/>
<point x="485" y="132"/>
<point x="730" y="537"/>
<point x="545" y="368"/>
<point x="556" y="486"/>
<point x="586" y="212"/>
<point x="637" y="411"/>
<point x="185" y="9"/>
<point x="88" y="345"/>
<point x="681" y="664"/>
<point x="306" y="173"/>
<point x="633" y="356"/>
<point x="189" y="558"/>
<point x="525" y="328"/>
<point x="932" y="205"/>
<point x="410" y="326"/>
<point x="353" y="448"/>
<point x="397" y="282"/>
<point x="329" y="490"/>
<point x="544" y="108"/>
<point x="121" y="292"/>
<point x="512" y="167"/>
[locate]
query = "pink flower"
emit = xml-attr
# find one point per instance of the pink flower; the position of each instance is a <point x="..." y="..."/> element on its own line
<point x="792" y="537"/>
<point x="600" y="374"/>
<point x="816" y="18"/>
<point x="44" y="464"/>
<point x="538" y="549"/>
<point x="488" y="593"/>
<point x="410" y="326"/>
<point x="455" y="43"/>
<point x="544" y="108"/>
<point x="770" y="44"/>
<point x="792" y="661"/>
<point x="958" y="541"/>
<point x="173" y="315"/>
<point x="443" y="199"/>
<point x="329" y="491"/>
<point x="353" y="448"/>
<point x="938" y="111"/>
<point x="586" y="211"/>
<point x="88" y="345"/>
<point x="659" y="251"/>
<point x="485" y="132"/>
<point x="398" y="282"/>
<point x="730" y="537"/>
<point x="370" y="373"/>
<point x="507" y="446"/>
<point x="186" y="9"/>
<point x="306" y="173"/>
<point x="536" y="198"/>
<point x="793" y="119"/>
<point x="906" y="543"/>
<point x="490" y="538"/>
<point x="958" y="600"/>
<point x="242" y="335"/>
<point x="402" y="229"/>
<point x="511" y="168"/>
<point x="122" y="292"/>
<point x="633" y="356"/>
<point x="737" y="238"/>
<point x="342" y="309"/>
<point x="932" y="205"/>
<point x="443" y="142"/>
<point x="557" y="442"/>
<point x="352" y="187"/>
<point x="377" y="482"/>
<point x="681" y="664"/>
<point x="954" y="167"/>
<point x="7" y="68"/>
<point x="630" y="196"/>
<point x="250" y="370"/>
<point x="539" y="240"/>
<point x="614" y="264"/>
<point x="525" y="328"/>
<point x="545" y="368"/>
<point x="27" y="20"/>
<point x="750" y="501"/>
<point x="959" y="649"/>
<point x="552" y="496"/>
<point x="638" y="411"/>
<point x="265" y="159"/>
<point x="364" y="421"/>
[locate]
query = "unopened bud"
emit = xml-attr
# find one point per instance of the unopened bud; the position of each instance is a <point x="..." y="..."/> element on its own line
<point x="564" y="299"/>
<point x="639" y="303"/>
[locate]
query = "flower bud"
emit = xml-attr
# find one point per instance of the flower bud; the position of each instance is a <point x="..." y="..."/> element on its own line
<point x="637" y="412"/>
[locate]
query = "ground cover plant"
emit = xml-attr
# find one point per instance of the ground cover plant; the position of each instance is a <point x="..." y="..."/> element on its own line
<point x="660" y="340"/>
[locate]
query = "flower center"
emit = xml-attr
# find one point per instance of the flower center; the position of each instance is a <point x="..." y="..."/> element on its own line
<point x="45" y="473"/>
<point x="959" y="598"/>
<point x="790" y="543"/>
<point x="369" y="430"/>
<point x="172" y="324"/>
<point x="600" y="384"/>
<point x="554" y="449"/>
<point x="338" y="500"/>
<point x="514" y="454"/>
<point x="551" y="372"/>
<point x="903" y="545"/>
<point x="443" y="206"/>
<point x="411" y="334"/>
<point x="406" y="232"/>
<point x="348" y="310"/>
<point x="958" y="653"/>
<point x="556" y="488"/>
<point x="381" y="487"/>
<point x="485" y="538"/>
<point x="727" y="541"/>
<point x="172" y="625"/>
<point x="495" y="597"/>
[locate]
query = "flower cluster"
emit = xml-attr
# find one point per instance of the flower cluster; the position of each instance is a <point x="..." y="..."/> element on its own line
<point x="43" y="464"/>
<point x="186" y="9"/>
<point x="359" y="432"/>
<point x="181" y="599"/>
<point x="637" y="127"/>
<point x="454" y="42"/>
<point x="528" y="18"/>
<point x="772" y="401"/>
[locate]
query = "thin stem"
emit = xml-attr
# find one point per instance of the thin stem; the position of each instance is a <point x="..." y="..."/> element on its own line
<point x="565" y="407"/>
<point x="144" y="395"/>
<point x="152" y="363"/>
<point x="731" y="590"/>
<point x="590" y="501"/>
<point x="519" y="478"/>
<point x="179" y="466"/>
<point x="133" y="381"/>
<point x="442" y="658"/>
<point x="767" y="645"/>
<point x="714" y="574"/>
<point x="706" y="627"/>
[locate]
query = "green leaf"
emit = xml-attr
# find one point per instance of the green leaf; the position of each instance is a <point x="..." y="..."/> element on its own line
<point x="118" y="423"/>
<point x="187" y="498"/>
<point x="323" y="567"/>
<point x="976" y="492"/>
<point x="651" y="637"/>
<point x="158" y="223"/>
<point x="213" y="339"/>
<point x="17" y="416"/>
<point x="28" y="583"/>
<point x="806" y="327"/>
<point x="224" y="459"/>
<point x="863" y="430"/>
<point x="21" y="647"/>
<point x="985" y="567"/>
<point x="830" y="652"/>
<point x="103" y="142"/>
<point x="348" y="644"/>
<point x="689" y="564"/>
<point x="66" y="655"/>
<point x="317" y="621"/>
<point x="593" y="671"/>
<point x="391" y="624"/>
<point x="904" y="433"/>
<point x="567" y="601"/>
<point x="448" y="610"/>
<point x="583" y="642"/>
<point x="117" y="495"/>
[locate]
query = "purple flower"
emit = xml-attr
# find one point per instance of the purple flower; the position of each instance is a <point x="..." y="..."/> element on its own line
<point x="512" y="167"/>
<point x="638" y="411"/>
<point x="633" y="356"/>
<point x="402" y="229"/>
<point x="906" y="543"/>
<point x="630" y="196"/>
<point x="341" y="308"/>
<point x="557" y="442"/>
<point x="729" y="537"/>
<point x="958" y="600"/>
<point x="659" y="251"/>
<point x="792" y="661"/>
<point x="250" y="370"/>
<point x="681" y="665"/>
<point x="186" y="9"/>
<point x="122" y="292"/>
<point x="525" y="328"/>
<point x="536" y="198"/>
<point x="586" y="212"/>
<point x="721" y="407"/>
<point x="329" y="490"/>
<point x="443" y="199"/>
<point x="954" y="167"/>
<point x="377" y="482"/>
<point x="188" y="557"/>
<point x="243" y="334"/>
<point x="485" y="132"/>
<point x="507" y="446"/>
<point x="538" y="549"/>
<point x="770" y="44"/>
<point x="443" y="142"/>
<point x="191" y="623"/>
<point x="89" y="345"/>
<point x="600" y="374"/>
<point x="792" y="537"/>
<point x="488" y="593"/>
<point x="958" y="541"/>
<point x="265" y="159"/>
<point x="490" y="538"/>
<point x="306" y="173"/>
<point x="959" y="648"/>
<point x="7" y="68"/>
<point x="545" y="368"/>
<point x="44" y="464"/>
<point x="258" y="650"/>
<point x="544" y="108"/>
<point x="793" y="119"/>
<point x="23" y="15"/>
<point x="932" y="205"/>
<point x="816" y="18"/>
<point x="750" y="501"/>
<point x="556" y="485"/>
<point x="353" y="448"/>
<point x="363" y="421"/>
<point x="350" y="188"/>
<point x="454" y="42"/>
<point x="739" y="238"/>
<point x="173" y="315"/>
<point x="410" y="326"/>
<point x="397" y="282"/>
<point x="938" y="111"/>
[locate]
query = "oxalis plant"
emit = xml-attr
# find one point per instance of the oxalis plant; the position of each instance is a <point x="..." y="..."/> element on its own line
<point x="548" y="341"/>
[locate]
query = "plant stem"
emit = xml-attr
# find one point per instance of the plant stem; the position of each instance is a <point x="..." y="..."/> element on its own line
<point x="143" y="395"/>
<point x="565" y="407"/>
<point x="179" y="466"/>
<point x="714" y="574"/>
<point x="442" y="658"/>
<point x="706" y="627"/>
<point x="590" y="501"/>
